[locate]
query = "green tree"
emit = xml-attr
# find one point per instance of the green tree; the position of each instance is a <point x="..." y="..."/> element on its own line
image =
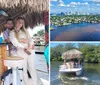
<point x="56" y="52"/>
<point x="35" y="35"/>
<point x="69" y="46"/>
<point x="91" y="52"/>
<point x="40" y="33"/>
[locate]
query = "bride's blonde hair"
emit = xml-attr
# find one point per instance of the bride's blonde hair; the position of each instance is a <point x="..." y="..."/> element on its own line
<point x="23" y="29"/>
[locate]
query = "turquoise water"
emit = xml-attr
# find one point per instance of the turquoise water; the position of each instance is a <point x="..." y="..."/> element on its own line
<point x="76" y="32"/>
<point x="90" y="76"/>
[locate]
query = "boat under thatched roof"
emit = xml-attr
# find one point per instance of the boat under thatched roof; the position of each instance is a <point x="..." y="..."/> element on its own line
<point x="32" y="10"/>
<point x="70" y="54"/>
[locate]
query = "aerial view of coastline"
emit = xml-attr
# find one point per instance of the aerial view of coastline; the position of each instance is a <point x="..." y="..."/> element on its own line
<point x="75" y="20"/>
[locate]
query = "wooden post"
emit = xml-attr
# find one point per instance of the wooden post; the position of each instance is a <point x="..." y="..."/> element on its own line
<point x="4" y="55"/>
<point x="1" y="70"/>
<point x="46" y="23"/>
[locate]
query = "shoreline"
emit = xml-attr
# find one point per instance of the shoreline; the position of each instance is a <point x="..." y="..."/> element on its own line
<point x="74" y="19"/>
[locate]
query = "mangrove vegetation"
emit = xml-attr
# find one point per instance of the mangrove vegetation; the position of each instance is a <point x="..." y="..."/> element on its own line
<point x="72" y="19"/>
<point x="91" y="52"/>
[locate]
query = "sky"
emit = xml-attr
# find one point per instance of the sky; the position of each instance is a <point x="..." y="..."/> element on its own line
<point x="52" y="44"/>
<point x="90" y="6"/>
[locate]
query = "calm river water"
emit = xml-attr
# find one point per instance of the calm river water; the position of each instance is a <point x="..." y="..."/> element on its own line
<point x="91" y="75"/>
<point x="76" y="32"/>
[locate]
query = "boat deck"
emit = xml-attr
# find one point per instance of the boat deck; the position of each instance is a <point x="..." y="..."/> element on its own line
<point x="70" y="70"/>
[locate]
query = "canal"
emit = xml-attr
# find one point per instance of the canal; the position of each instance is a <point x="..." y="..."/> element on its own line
<point x="76" y="32"/>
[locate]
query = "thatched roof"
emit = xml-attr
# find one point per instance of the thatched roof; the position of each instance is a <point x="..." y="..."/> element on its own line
<point x="72" y="54"/>
<point x="31" y="10"/>
<point x="31" y="5"/>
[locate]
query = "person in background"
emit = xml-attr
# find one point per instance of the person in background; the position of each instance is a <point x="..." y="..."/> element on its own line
<point x="46" y="51"/>
<point x="79" y="63"/>
<point x="46" y="54"/>
<point x="9" y="25"/>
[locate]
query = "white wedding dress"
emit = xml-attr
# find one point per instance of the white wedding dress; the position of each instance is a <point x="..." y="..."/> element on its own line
<point x="29" y="63"/>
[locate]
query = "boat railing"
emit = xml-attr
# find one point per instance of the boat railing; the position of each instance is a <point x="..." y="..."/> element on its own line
<point x="42" y="71"/>
<point x="69" y="67"/>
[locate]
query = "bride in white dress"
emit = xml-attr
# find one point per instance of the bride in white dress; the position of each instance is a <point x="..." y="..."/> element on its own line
<point x="20" y="38"/>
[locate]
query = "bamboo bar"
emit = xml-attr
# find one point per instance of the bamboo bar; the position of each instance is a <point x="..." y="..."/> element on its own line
<point x="3" y="55"/>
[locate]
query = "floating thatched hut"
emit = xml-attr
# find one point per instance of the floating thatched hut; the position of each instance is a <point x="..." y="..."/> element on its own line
<point x="72" y="66"/>
<point x="70" y="54"/>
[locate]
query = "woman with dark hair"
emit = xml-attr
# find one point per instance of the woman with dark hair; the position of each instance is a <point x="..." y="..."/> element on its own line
<point x="25" y="48"/>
